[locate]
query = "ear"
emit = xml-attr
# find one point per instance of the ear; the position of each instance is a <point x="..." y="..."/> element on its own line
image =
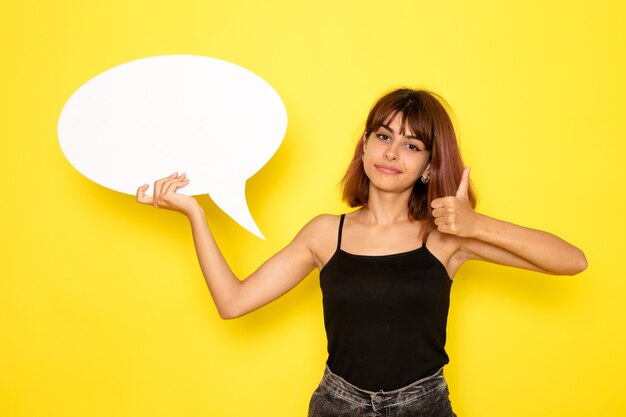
<point x="426" y="172"/>
<point x="364" y="141"/>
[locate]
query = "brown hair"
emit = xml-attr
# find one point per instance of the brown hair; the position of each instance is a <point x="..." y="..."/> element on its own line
<point x="422" y="112"/>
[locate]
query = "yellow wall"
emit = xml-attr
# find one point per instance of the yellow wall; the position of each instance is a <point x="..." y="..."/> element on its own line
<point x="103" y="311"/>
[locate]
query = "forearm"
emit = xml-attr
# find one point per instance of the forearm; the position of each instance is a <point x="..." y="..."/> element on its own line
<point x="543" y="249"/>
<point x="223" y="285"/>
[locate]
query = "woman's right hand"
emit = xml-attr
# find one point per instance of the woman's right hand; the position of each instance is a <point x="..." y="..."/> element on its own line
<point x="234" y="298"/>
<point x="165" y="196"/>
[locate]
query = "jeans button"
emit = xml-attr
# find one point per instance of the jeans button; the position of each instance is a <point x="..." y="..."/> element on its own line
<point x="377" y="399"/>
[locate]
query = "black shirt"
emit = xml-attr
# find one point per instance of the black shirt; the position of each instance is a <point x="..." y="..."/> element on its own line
<point x="385" y="316"/>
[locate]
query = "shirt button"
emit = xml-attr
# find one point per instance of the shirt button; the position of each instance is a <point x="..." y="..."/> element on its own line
<point x="377" y="399"/>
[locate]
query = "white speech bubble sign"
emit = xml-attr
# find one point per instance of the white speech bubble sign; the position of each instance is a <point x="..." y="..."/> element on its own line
<point x="145" y="119"/>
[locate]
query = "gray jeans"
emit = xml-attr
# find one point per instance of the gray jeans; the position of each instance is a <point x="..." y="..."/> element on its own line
<point x="335" y="397"/>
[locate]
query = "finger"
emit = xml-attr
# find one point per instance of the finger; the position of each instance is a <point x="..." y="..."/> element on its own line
<point x="464" y="185"/>
<point x="166" y="199"/>
<point x="168" y="178"/>
<point x="439" y="212"/>
<point x="437" y="203"/>
<point x="444" y="229"/>
<point x="182" y="180"/>
<point x="441" y="221"/>
<point x="141" y="195"/>
<point x="158" y="185"/>
<point x="448" y="201"/>
<point x="172" y="186"/>
<point x="450" y="228"/>
<point x="167" y="189"/>
<point x="156" y="192"/>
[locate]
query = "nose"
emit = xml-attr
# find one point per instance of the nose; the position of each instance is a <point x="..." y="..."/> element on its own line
<point x="391" y="154"/>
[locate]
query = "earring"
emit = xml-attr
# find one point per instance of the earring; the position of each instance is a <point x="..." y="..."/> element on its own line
<point x="425" y="179"/>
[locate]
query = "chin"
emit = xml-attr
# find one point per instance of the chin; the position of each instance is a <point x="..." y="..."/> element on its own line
<point x="390" y="188"/>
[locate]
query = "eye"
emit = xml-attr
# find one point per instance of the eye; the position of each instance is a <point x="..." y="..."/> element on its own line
<point x="413" y="147"/>
<point x="382" y="136"/>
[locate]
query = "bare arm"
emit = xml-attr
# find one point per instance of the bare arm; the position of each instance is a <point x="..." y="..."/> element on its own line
<point x="489" y="239"/>
<point x="547" y="252"/>
<point x="234" y="298"/>
<point x="534" y="249"/>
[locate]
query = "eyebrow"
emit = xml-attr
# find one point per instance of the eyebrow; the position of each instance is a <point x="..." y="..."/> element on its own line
<point x="406" y="136"/>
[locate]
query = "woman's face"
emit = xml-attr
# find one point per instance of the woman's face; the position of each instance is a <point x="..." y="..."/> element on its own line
<point x="393" y="162"/>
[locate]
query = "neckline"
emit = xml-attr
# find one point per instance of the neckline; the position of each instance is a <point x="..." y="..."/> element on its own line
<point x="389" y="255"/>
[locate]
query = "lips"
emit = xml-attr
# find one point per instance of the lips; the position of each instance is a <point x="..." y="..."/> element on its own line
<point x="385" y="169"/>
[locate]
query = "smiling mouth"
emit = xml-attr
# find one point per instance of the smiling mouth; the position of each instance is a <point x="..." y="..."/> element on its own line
<point x="387" y="170"/>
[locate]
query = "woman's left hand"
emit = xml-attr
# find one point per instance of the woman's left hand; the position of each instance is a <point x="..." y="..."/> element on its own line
<point x="454" y="214"/>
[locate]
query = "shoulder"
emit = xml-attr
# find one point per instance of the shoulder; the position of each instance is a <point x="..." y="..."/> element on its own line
<point x="449" y="249"/>
<point x="319" y="236"/>
<point x="320" y="226"/>
<point x="450" y="242"/>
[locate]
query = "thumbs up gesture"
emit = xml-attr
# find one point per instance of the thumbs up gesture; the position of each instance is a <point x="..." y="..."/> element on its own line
<point x="454" y="214"/>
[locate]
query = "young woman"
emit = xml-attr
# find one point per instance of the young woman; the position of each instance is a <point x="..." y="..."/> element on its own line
<point x="386" y="268"/>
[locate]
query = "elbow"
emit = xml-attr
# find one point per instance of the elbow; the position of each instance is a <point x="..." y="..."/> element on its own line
<point x="582" y="265"/>
<point x="230" y="307"/>
<point x="231" y="311"/>
<point x="227" y="316"/>
<point x="228" y="313"/>
<point x="578" y="265"/>
<point x="583" y="262"/>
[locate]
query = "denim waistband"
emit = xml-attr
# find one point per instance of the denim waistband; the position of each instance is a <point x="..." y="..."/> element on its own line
<point x="382" y="399"/>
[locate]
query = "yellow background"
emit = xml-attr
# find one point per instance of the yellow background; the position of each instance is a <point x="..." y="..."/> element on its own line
<point x="103" y="310"/>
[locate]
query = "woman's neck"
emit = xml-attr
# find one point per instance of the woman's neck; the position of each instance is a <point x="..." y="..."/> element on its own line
<point x="384" y="208"/>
